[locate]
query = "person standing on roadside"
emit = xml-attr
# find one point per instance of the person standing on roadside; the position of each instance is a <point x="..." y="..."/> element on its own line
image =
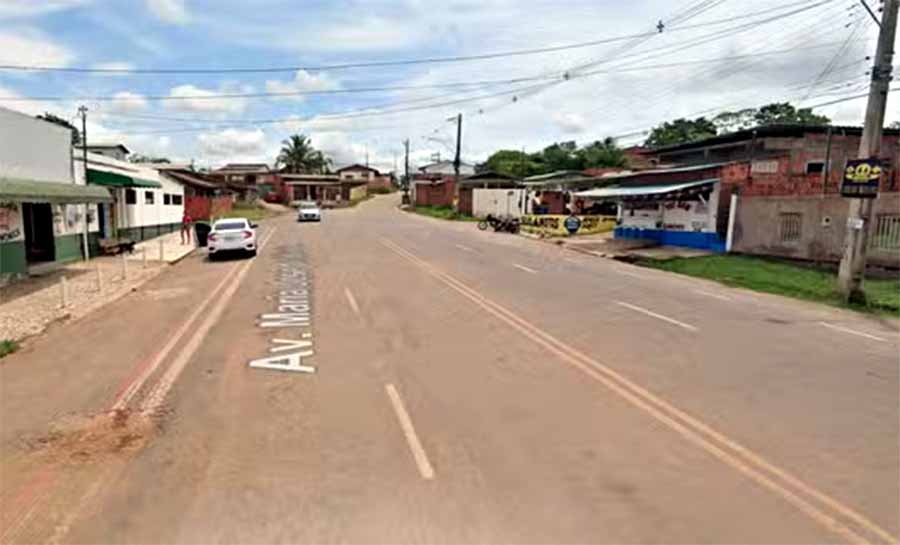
<point x="186" y="222"/>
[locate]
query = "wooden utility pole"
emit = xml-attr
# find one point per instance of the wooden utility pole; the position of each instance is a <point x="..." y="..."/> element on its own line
<point x="456" y="162"/>
<point x="84" y="236"/>
<point x="853" y="264"/>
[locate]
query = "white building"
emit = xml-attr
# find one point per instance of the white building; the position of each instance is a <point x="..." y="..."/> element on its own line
<point x="43" y="205"/>
<point x="445" y="168"/>
<point x="145" y="205"/>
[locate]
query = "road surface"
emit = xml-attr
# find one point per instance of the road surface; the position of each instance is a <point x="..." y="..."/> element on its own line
<point x="386" y="378"/>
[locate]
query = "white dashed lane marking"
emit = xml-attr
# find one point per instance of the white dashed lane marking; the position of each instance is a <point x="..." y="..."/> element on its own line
<point x="409" y="431"/>
<point x="524" y="268"/>
<point x="642" y="310"/>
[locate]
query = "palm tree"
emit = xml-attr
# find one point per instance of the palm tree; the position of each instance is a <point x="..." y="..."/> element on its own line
<point x="298" y="156"/>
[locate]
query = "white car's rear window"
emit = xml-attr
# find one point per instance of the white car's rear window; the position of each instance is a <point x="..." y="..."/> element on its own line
<point x="230" y="226"/>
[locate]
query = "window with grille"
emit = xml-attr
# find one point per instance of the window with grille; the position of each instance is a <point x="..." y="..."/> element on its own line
<point x="886" y="234"/>
<point x="789" y="226"/>
<point x="148" y="197"/>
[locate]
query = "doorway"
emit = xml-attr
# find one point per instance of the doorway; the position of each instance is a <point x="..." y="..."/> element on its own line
<point x="38" y="221"/>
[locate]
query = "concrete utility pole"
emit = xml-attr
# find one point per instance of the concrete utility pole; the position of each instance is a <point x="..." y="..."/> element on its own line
<point x="407" y="181"/>
<point x="84" y="238"/>
<point x="853" y="264"/>
<point x="456" y="162"/>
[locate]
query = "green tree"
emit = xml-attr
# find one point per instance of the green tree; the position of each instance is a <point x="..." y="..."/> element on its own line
<point x="513" y="163"/>
<point x="561" y="156"/>
<point x="299" y="156"/>
<point x="138" y="158"/>
<point x="784" y="113"/>
<point x="55" y="119"/>
<point x="727" y="122"/>
<point x="681" y="131"/>
<point x="602" y="153"/>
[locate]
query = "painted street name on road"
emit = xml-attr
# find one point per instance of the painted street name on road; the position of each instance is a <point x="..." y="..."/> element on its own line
<point x="294" y="311"/>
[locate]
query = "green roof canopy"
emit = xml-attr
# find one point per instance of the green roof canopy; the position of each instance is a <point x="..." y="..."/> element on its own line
<point x="19" y="190"/>
<point x="111" y="179"/>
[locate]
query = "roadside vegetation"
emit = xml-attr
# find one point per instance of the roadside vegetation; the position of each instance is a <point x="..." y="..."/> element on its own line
<point x="783" y="278"/>
<point x="253" y="212"/>
<point x="7" y="347"/>
<point x="442" y="212"/>
<point x="382" y="190"/>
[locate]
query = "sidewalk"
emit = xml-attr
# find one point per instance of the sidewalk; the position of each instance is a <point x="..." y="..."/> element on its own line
<point x="28" y="307"/>
<point x="173" y="250"/>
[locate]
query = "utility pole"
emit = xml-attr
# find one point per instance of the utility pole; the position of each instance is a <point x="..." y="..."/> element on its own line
<point x="456" y="162"/>
<point x="406" y="182"/>
<point x="853" y="264"/>
<point x="84" y="235"/>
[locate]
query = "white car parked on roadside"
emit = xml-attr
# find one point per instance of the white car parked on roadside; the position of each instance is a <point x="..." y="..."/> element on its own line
<point x="232" y="235"/>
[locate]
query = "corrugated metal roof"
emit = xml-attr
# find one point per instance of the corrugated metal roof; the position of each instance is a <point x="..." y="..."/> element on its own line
<point x="620" y="192"/>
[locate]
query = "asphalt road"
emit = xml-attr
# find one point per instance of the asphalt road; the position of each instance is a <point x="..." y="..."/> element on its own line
<point x="421" y="381"/>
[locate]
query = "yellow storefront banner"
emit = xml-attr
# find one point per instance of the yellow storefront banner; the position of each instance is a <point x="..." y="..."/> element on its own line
<point x="555" y="225"/>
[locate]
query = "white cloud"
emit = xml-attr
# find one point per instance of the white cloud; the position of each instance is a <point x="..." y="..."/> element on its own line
<point x="33" y="8"/>
<point x="570" y="123"/>
<point x="169" y="11"/>
<point x="127" y="102"/>
<point x="28" y="46"/>
<point x="234" y="144"/>
<point x="303" y="82"/>
<point x="196" y="99"/>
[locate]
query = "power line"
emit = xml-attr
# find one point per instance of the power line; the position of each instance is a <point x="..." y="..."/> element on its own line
<point x="401" y="62"/>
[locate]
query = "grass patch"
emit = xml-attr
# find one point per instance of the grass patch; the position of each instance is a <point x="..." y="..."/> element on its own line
<point x="7" y="347"/>
<point x="782" y="278"/>
<point x="383" y="190"/>
<point x="442" y="213"/>
<point x="252" y="212"/>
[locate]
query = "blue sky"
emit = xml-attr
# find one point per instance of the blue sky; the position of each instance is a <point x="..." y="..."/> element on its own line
<point x="730" y="67"/>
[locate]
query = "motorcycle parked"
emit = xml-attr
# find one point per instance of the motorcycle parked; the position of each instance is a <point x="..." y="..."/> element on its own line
<point x="504" y="225"/>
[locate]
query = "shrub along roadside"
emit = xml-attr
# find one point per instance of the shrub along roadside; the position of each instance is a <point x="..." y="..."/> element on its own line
<point x="783" y="278"/>
<point x="7" y="347"/>
<point x="442" y="212"/>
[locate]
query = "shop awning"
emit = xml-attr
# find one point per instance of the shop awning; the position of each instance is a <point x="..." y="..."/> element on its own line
<point x="113" y="179"/>
<point x="19" y="190"/>
<point x="659" y="192"/>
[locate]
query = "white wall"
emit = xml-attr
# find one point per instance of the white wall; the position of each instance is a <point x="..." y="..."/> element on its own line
<point x="34" y="149"/>
<point x="691" y="216"/>
<point x="158" y="213"/>
<point x="499" y="202"/>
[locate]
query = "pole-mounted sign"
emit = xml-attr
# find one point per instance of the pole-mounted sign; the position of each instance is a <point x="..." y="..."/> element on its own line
<point x="861" y="178"/>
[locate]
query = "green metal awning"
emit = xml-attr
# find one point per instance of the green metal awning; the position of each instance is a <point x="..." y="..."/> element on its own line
<point x="19" y="190"/>
<point x="111" y="179"/>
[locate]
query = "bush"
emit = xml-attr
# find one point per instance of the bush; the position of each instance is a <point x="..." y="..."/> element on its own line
<point x="7" y="347"/>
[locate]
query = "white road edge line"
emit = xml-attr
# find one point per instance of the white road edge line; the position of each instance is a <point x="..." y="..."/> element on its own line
<point x="409" y="431"/>
<point x="464" y="248"/>
<point x="524" y="268"/>
<point x="713" y="295"/>
<point x="657" y="316"/>
<point x="352" y="300"/>
<point x="853" y="332"/>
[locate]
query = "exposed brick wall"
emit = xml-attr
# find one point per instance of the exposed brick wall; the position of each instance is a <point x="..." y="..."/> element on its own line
<point x="436" y="194"/>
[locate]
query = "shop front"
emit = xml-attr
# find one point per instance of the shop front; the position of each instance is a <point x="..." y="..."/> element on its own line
<point x="42" y="223"/>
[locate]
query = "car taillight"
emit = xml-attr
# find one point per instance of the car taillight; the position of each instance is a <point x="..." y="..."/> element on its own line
<point x="212" y="237"/>
<point x="248" y="234"/>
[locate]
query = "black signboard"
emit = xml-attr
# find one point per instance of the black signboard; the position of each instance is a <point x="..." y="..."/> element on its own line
<point x="861" y="178"/>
